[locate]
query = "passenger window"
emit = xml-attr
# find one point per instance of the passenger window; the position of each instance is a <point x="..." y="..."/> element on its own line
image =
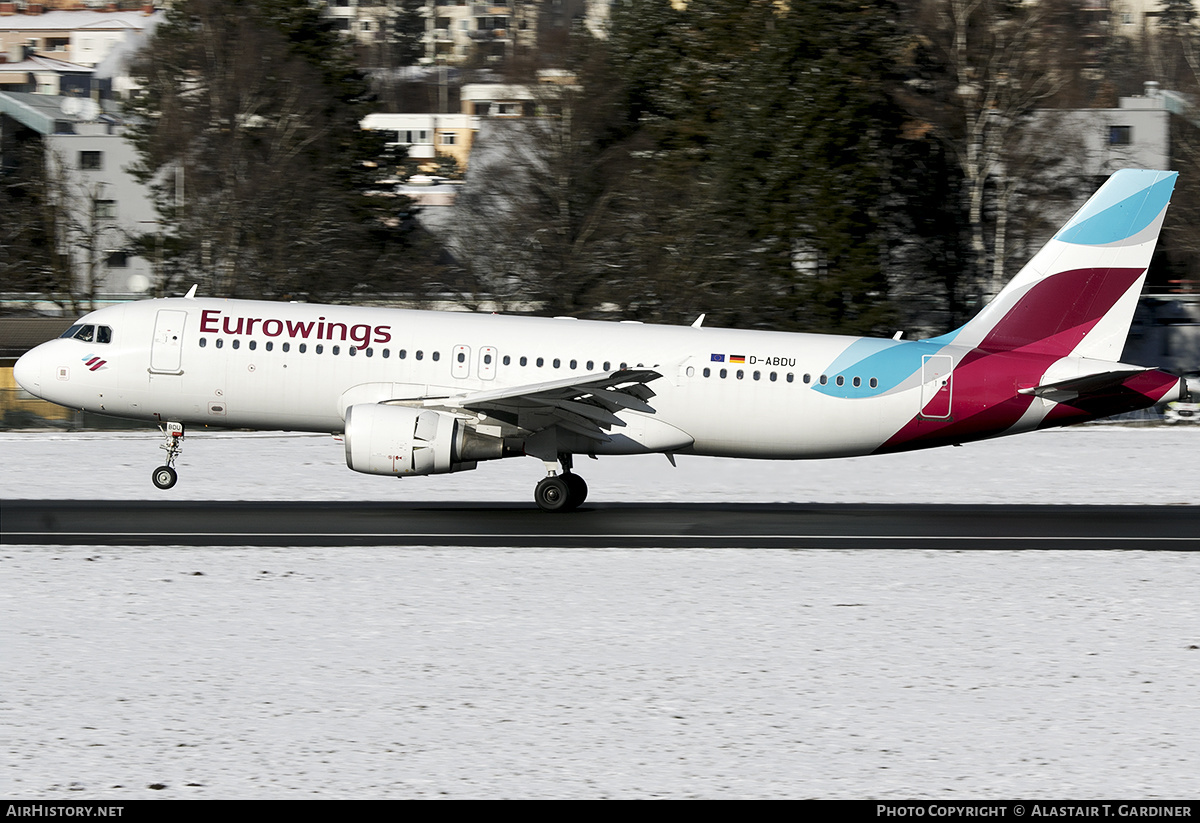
<point x="253" y="344"/>
<point x="220" y="342"/>
<point x="841" y="381"/>
<point x="286" y="346"/>
<point x="235" y="343"/>
<point x="303" y="348"/>
<point x="271" y="347"/>
<point x="524" y="360"/>
<point x="541" y="361"/>
<point x="320" y="349"/>
<point x="707" y="371"/>
<point x="334" y="350"/>
<point x="352" y="350"/>
<point x="420" y="355"/>
<point x="437" y="355"/>
<point x="591" y="364"/>
<point x="557" y="362"/>
<point x="203" y="342"/>
<point x="874" y="383"/>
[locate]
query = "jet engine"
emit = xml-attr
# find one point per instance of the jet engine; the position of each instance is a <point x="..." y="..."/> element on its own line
<point x="401" y="440"/>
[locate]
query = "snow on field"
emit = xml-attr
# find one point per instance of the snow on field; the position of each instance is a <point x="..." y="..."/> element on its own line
<point x="515" y="672"/>
<point x="1094" y="464"/>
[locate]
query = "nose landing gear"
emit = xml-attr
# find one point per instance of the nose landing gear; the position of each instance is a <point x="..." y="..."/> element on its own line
<point x="165" y="476"/>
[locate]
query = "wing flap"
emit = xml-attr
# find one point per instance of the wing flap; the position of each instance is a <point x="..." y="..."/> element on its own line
<point x="584" y="404"/>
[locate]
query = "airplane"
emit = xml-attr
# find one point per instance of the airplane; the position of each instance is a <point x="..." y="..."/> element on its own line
<point x="421" y="392"/>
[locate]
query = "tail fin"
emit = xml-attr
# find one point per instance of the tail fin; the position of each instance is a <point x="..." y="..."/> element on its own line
<point x="1078" y="294"/>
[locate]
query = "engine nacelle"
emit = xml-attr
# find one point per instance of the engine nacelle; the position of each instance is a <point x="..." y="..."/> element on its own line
<point x="401" y="440"/>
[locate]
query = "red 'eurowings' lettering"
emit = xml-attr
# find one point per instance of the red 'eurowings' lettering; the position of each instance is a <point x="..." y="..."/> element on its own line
<point x="297" y="329"/>
<point x="213" y="321"/>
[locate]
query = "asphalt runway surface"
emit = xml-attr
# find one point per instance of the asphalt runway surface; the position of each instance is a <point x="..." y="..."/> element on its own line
<point x="600" y="525"/>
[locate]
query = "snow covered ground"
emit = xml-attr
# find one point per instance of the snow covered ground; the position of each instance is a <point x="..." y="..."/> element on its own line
<point x="517" y="672"/>
<point x="1094" y="464"/>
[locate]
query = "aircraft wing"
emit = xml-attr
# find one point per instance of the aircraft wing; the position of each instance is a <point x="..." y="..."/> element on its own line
<point x="586" y="404"/>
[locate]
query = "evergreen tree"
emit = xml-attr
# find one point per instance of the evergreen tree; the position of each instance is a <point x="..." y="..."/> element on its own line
<point x="248" y="134"/>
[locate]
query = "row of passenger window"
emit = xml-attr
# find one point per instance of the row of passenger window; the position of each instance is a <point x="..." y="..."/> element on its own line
<point x="507" y="360"/>
<point x="319" y="348"/>
<point x="840" y="380"/>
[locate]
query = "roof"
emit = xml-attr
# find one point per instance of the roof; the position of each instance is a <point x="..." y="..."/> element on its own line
<point x="41" y="112"/>
<point x="68" y="20"/>
<point x="36" y="62"/>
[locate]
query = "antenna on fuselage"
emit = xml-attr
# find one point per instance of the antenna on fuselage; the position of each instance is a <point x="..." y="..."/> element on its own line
<point x="191" y="295"/>
<point x="699" y="322"/>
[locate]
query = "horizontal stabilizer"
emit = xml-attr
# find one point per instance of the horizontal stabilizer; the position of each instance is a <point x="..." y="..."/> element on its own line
<point x="1066" y="391"/>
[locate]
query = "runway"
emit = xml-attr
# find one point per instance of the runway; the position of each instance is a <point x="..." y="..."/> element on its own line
<point x="601" y="525"/>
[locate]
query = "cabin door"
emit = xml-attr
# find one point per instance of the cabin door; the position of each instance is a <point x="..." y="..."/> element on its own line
<point x="937" y="385"/>
<point x="166" y="349"/>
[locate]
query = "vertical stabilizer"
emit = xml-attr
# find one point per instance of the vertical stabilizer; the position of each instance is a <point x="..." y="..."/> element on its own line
<point x="1078" y="294"/>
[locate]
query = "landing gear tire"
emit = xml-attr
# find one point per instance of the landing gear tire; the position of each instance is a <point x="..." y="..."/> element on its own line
<point x="164" y="477"/>
<point x="553" y="494"/>
<point x="577" y="488"/>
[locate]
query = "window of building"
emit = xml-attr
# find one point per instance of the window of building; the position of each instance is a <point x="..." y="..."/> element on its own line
<point x="106" y="209"/>
<point x="448" y="138"/>
<point x="1120" y="135"/>
<point x="91" y="160"/>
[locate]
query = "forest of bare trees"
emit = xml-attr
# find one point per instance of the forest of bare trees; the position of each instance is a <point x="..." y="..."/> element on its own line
<point x="839" y="166"/>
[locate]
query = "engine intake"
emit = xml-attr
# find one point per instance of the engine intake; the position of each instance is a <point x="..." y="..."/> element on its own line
<point x="401" y="440"/>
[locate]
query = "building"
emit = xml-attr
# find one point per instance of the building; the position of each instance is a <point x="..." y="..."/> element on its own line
<point x="425" y="136"/>
<point x="106" y="208"/>
<point x="83" y="37"/>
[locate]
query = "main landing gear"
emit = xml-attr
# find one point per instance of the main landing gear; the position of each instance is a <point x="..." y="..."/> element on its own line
<point x="560" y="492"/>
<point x="165" y="476"/>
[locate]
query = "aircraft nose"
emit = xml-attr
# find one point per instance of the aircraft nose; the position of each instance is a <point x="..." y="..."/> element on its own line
<point x="27" y="371"/>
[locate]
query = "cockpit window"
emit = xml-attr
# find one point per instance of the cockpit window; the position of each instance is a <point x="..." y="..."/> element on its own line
<point x="89" y="333"/>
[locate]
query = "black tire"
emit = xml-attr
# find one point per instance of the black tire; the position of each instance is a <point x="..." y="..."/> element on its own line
<point x="578" y="489"/>
<point x="553" y="495"/>
<point x="164" y="477"/>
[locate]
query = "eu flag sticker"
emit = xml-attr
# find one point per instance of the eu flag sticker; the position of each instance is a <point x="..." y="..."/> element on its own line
<point x="718" y="358"/>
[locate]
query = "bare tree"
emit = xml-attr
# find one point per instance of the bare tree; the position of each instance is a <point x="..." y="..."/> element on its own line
<point x="1002" y="61"/>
